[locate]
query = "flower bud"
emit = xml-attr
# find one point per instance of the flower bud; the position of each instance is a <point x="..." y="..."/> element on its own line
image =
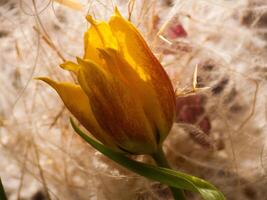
<point x="124" y="97"/>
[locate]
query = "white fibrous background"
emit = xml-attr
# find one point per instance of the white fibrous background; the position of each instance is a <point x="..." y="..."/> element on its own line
<point x="220" y="130"/>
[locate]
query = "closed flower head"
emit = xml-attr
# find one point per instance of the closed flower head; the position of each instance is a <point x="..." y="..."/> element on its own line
<point x="124" y="97"/>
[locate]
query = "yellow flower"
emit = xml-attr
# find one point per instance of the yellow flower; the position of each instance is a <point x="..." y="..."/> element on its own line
<point x="124" y="96"/>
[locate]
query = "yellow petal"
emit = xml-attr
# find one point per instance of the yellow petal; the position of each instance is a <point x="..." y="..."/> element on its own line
<point x="138" y="55"/>
<point x="140" y="88"/>
<point x="117" y="111"/>
<point x="99" y="35"/>
<point x="70" y="66"/>
<point x="78" y="104"/>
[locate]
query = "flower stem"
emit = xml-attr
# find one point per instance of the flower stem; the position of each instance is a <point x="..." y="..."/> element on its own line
<point x="161" y="161"/>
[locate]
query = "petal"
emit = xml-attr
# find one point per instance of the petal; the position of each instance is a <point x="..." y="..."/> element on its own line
<point x="70" y="66"/>
<point x="78" y="104"/>
<point x="99" y="35"/>
<point x="117" y="111"/>
<point x="138" y="55"/>
<point x="140" y="88"/>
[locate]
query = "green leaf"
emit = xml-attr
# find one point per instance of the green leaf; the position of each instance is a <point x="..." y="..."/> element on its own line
<point x="163" y="175"/>
<point x="2" y="191"/>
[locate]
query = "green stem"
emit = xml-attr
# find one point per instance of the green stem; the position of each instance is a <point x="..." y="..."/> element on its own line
<point x="161" y="161"/>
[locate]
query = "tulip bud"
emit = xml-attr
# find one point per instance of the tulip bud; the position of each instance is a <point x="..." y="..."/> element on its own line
<point x="124" y="96"/>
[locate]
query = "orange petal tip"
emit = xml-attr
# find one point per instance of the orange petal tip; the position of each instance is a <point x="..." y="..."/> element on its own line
<point x="70" y="66"/>
<point x="47" y="80"/>
<point x="90" y="19"/>
<point x="116" y="11"/>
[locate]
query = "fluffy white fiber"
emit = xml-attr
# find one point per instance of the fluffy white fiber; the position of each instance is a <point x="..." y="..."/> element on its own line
<point x="42" y="158"/>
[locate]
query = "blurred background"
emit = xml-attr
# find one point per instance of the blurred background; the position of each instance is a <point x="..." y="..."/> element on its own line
<point x="220" y="134"/>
